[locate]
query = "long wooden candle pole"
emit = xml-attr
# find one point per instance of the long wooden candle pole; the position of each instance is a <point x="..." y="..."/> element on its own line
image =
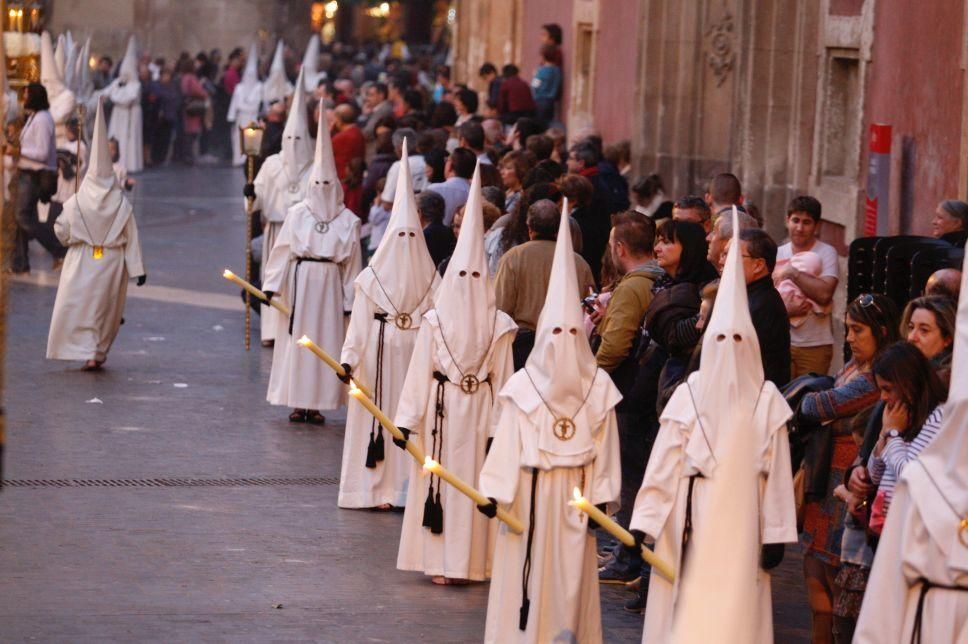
<point x="384" y="420"/>
<point x="306" y="343"/>
<point x="232" y="277"/>
<point x="621" y="534"/>
<point x="514" y="524"/>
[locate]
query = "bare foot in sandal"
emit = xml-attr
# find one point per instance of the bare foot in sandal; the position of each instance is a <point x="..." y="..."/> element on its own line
<point x="313" y="417"/>
<point x="298" y="416"/>
<point x="91" y="365"/>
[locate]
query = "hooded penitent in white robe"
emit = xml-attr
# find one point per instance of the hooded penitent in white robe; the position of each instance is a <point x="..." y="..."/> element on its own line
<point x="277" y="87"/>
<point x="99" y="229"/>
<point x="124" y="92"/>
<point x="461" y="360"/>
<point x="312" y="267"/>
<point x="310" y="64"/>
<point x="280" y="185"/>
<point x="246" y="103"/>
<point x="82" y="86"/>
<point x="725" y="403"/>
<point x="921" y="565"/>
<point x="392" y="295"/>
<point x="61" y="99"/>
<point x="556" y="433"/>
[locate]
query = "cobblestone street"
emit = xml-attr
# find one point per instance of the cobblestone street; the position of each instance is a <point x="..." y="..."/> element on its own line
<point x="199" y="513"/>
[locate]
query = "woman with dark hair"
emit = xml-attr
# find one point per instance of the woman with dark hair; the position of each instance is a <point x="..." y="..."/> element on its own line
<point x="36" y="180"/>
<point x="670" y="320"/>
<point x="842" y="411"/>
<point x="514" y="167"/>
<point x="929" y="324"/>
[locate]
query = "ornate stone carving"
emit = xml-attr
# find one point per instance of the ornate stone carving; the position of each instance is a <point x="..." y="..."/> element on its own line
<point x="719" y="47"/>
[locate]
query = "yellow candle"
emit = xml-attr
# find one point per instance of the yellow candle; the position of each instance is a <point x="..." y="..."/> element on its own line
<point x="384" y="420"/>
<point x="621" y="534"/>
<point x="432" y="466"/>
<point x="232" y="277"/>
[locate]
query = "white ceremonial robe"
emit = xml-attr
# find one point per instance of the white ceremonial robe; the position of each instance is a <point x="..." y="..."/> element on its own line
<point x="244" y="108"/>
<point x="360" y="486"/>
<point x="275" y="194"/>
<point x="125" y="123"/>
<point x="681" y="451"/>
<point x="91" y="292"/>
<point x="920" y="541"/>
<point x="322" y="292"/>
<point x="563" y="584"/>
<point x="463" y="550"/>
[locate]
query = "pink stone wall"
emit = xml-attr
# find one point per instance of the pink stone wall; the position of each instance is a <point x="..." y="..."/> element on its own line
<point x="616" y="75"/>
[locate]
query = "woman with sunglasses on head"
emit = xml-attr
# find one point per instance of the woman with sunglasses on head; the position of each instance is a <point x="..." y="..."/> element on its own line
<point x="871" y="326"/>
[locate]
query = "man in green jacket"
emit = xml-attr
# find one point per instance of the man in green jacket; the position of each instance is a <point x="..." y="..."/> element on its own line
<point x="630" y="244"/>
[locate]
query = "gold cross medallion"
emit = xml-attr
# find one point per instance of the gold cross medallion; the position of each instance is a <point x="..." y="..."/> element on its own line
<point x="470" y="383"/>
<point x="564" y="429"/>
<point x="403" y="321"/>
<point x="98" y="252"/>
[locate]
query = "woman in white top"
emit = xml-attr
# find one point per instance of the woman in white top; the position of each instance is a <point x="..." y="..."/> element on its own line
<point x="37" y="161"/>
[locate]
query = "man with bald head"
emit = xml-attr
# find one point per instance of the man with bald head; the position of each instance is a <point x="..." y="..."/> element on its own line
<point x="945" y="282"/>
<point x="349" y="148"/>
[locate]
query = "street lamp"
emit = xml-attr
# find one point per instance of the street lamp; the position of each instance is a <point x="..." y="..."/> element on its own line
<point x="251" y="139"/>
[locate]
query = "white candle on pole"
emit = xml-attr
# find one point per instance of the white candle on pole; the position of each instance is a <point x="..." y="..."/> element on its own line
<point x="514" y="524"/>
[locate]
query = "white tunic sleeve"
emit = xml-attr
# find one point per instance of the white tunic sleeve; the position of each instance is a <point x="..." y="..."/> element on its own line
<point x="502" y="368"/>
<point x="124" y="95"/>
<point x="357" y="333"/>
<point x="655" y="499"/>
<point x="416" y="387"/>
<point x="132" y="249"/>
<point x="350" y="268"/>
<point x="278" y="264"/>
<point x="502" y="468"/>
<point x="62" y="228"/>
<point x="607" y="480"/>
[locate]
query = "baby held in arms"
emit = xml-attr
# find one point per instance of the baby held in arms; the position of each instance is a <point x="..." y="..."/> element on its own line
<point x="793" y="297"/>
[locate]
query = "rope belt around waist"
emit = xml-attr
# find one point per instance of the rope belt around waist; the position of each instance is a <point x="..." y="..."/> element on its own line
<point x="295" y="283"/>
<point x="687" y="525"/>
<point x="926" y="587"/>
<point x="375" y="451"/>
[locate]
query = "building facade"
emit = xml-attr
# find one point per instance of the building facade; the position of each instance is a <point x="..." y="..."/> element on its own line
<point x="781" y="92"/>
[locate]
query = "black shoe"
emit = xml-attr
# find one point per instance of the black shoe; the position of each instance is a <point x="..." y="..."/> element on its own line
<point x="612" y="574"/>
<point x="637" y="603"/>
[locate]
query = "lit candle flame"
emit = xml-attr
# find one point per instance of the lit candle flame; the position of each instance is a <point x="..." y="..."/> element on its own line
<point x="227" y="274"/>
<point x="430" y="464"/>
<point x="578" y="494"/>
<point x="354" y="389"/>
<point x="304" y="341"/>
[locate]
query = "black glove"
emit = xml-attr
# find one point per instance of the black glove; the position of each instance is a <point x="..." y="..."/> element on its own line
<point x="402" y="444"/>
<point x="347" y="373"/>
<point x="635" y="551"/>
<point x="592" y="524"/>
<point x="248" y="191"/>
<point x="489" y="510"/>
<point x="142" y="279"/>
<point x="269" y="294"/>
<point x="771" y="554"/>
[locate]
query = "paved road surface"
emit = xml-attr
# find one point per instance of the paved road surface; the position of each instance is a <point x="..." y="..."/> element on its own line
<point x="144" y="551"/>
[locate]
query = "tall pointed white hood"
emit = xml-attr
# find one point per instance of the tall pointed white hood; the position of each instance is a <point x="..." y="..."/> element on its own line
<point x="465" y="300"/>
<point x="297" y="146"/>
<point x="726" y="546"/>
<point x="99" y="192"/>
<point x="402" y="263"/>
<point x="250" y="75"/>
<point x="49" y="75"/>
<point x="60" y="56"/>
<point x="310" y="64"/>
<point x="277" y="86"/>
<point x="128" y="73"/>
<point x="82" y="73"/>
<point x="324" y="193"/>
<point x="562" y="364"/>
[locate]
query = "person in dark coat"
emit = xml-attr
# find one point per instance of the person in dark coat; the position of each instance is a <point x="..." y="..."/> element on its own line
<point x="766" y="305"/>
<point x="440" y="239"/>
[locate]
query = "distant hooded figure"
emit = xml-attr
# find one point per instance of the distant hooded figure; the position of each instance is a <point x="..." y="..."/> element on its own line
<point x="556" y="433"/>
<point x="392" y="295"/>
<point x="61" y="98"/>
<point x="280" y="185"/>
<point x="310" y="65"/>
<point x="124" y="92"/>
<point x="693" y="478"/>
<point x="98" y="227"/>
<point x="277" y="86"/>
<point x="461" y="359"/>
<point x="313" y="265"/>
<point x="246" y="103"/>
<point x="918" y="587"/>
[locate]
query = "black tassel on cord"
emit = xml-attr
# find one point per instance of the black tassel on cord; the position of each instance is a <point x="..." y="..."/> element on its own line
<point x="437" y="517"/>
<point x="378" y="452"/>
<point x="371" y="453"/>
<point x="523" y="619"/>
<point x="428" y="509"/>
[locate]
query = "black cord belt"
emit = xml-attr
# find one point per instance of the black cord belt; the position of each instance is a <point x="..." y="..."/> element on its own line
<point x="295" y="283"/>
